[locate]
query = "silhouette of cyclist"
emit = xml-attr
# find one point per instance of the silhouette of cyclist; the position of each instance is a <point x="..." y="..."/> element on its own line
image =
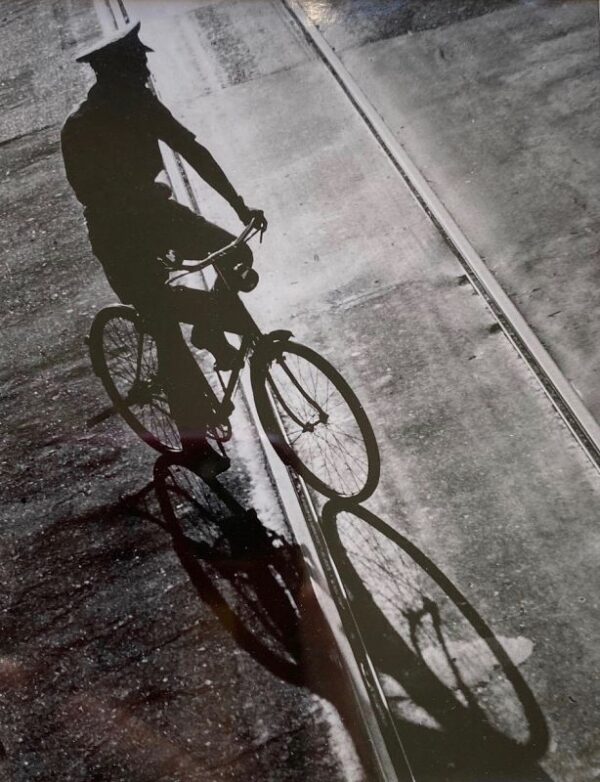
<point x="113" y="163"/>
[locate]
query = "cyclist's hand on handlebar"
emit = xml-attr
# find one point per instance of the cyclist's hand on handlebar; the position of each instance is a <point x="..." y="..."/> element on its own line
<point x="246" y="215"/>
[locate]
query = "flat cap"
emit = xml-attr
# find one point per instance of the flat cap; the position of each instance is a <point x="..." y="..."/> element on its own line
<point x="122" y="41"/>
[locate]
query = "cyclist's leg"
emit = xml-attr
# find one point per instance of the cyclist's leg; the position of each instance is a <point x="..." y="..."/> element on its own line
<point x="126" y="245"/>
<point x="211" y="314"/>
<point x="181" y="376"/>
<point x="200" y="309"/>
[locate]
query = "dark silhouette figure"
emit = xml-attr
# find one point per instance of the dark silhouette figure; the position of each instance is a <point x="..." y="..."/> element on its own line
<point x="113" y="162"/>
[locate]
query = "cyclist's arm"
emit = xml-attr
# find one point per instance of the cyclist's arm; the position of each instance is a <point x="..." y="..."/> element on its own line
<point x="207" y="167"/>
<point x="183" y="141"/>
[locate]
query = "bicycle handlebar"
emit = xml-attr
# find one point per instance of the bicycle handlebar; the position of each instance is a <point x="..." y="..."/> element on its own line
<point x="189" y="267"/>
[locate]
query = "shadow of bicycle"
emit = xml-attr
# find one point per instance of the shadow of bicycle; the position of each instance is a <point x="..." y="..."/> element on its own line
<point x="249" y="576"/>
<point x="461" y="706"/>
<point x="255" y="582"/>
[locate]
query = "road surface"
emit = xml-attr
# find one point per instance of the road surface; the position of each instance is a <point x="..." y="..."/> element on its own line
<point x="472" y="568"/>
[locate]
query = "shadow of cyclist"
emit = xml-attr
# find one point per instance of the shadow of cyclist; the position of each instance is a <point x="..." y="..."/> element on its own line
<point x="461" y="706"/>
<point x="255" y="582"/>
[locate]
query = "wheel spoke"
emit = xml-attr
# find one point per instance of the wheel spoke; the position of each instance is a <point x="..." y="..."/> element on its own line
<point x="323" y="423"/>
<point x="131" y="360"/>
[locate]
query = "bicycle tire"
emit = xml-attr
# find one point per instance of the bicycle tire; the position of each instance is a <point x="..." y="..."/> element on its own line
<point x="116" y="370"/>
<point x="330" y="474"/>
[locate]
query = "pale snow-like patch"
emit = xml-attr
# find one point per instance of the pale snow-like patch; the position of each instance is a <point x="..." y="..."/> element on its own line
<point x="246" y="442"/>
<point x="474" y="659"/>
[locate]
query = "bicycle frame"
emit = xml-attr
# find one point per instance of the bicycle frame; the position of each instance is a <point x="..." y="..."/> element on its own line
<point x="292" y="386"/>
<point x="249" y="338"/>
<point x="229" y="388"/>
<point x="253" y="334"/>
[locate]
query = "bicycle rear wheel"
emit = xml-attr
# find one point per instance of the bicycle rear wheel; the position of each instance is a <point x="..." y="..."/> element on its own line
<point x="315" y="421"/>
<point x="125" y="359"/>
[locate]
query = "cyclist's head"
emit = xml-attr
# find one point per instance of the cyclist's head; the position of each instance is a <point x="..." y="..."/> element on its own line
<point x="122" y="57"/>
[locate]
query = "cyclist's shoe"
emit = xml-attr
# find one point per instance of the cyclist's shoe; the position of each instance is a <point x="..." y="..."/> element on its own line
<point x="204" y="461"/>
<point x="226" y="356"/>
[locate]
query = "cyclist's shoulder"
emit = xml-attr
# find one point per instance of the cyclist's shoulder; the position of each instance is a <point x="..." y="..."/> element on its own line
<point x="87" y="118"/>
<point x="69" y="130"/>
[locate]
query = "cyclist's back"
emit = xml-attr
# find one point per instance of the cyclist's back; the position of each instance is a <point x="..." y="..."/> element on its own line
<point x="112" y="158"/>
<point x="110" y="146"/>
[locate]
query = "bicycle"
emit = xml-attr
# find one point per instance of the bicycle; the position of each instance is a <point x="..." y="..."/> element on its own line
<point x="309" y="413"/>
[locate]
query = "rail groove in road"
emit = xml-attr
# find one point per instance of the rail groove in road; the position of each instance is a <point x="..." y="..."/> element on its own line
<point x="390" y="761"/>
<point x="554" y="383"/>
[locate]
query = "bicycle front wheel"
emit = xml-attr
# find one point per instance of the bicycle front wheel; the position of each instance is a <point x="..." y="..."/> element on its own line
<point x="315" y="421"/>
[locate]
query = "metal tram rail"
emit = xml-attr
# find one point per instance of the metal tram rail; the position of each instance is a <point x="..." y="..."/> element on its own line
<point x="553" y="381"/>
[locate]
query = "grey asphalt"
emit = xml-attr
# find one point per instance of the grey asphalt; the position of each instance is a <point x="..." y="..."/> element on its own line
<point x="497" y="104"/>
<point x="123" y="654"/>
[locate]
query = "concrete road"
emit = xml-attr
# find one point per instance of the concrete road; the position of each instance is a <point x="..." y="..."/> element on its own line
<point x="478" y="470"/>
<point x="123" y="655"/>
<point x="497" y="104"/>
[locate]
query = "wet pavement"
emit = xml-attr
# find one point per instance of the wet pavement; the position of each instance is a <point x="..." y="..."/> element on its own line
<point x="355" y="22"/>
<point x="478" y="471"/>
<point x="126" y="652"/>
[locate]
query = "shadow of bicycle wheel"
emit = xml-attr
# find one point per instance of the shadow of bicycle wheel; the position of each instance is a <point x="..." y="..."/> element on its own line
<point x="256" y="583"/>
<point x="462" y="707"/>
<point x="248" y="575"/>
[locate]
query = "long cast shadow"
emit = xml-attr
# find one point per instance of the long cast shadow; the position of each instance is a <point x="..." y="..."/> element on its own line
<point x="462" y="708"/>
<point x="256" y="583"/>
<point x="249" y="576"/>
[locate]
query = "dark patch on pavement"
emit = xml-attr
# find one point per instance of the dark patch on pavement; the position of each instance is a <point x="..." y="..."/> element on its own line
<point x="111" y="667"/>
<point x="16" y="90"/>
<point x="114" y="669"/>
<point x="373" y="20"/>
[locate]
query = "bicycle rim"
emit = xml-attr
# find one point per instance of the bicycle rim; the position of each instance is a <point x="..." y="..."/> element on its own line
<point x="316" y="423"/>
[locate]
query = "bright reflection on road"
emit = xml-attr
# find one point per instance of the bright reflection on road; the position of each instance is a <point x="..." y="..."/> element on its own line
<point x="320" y="12"/>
